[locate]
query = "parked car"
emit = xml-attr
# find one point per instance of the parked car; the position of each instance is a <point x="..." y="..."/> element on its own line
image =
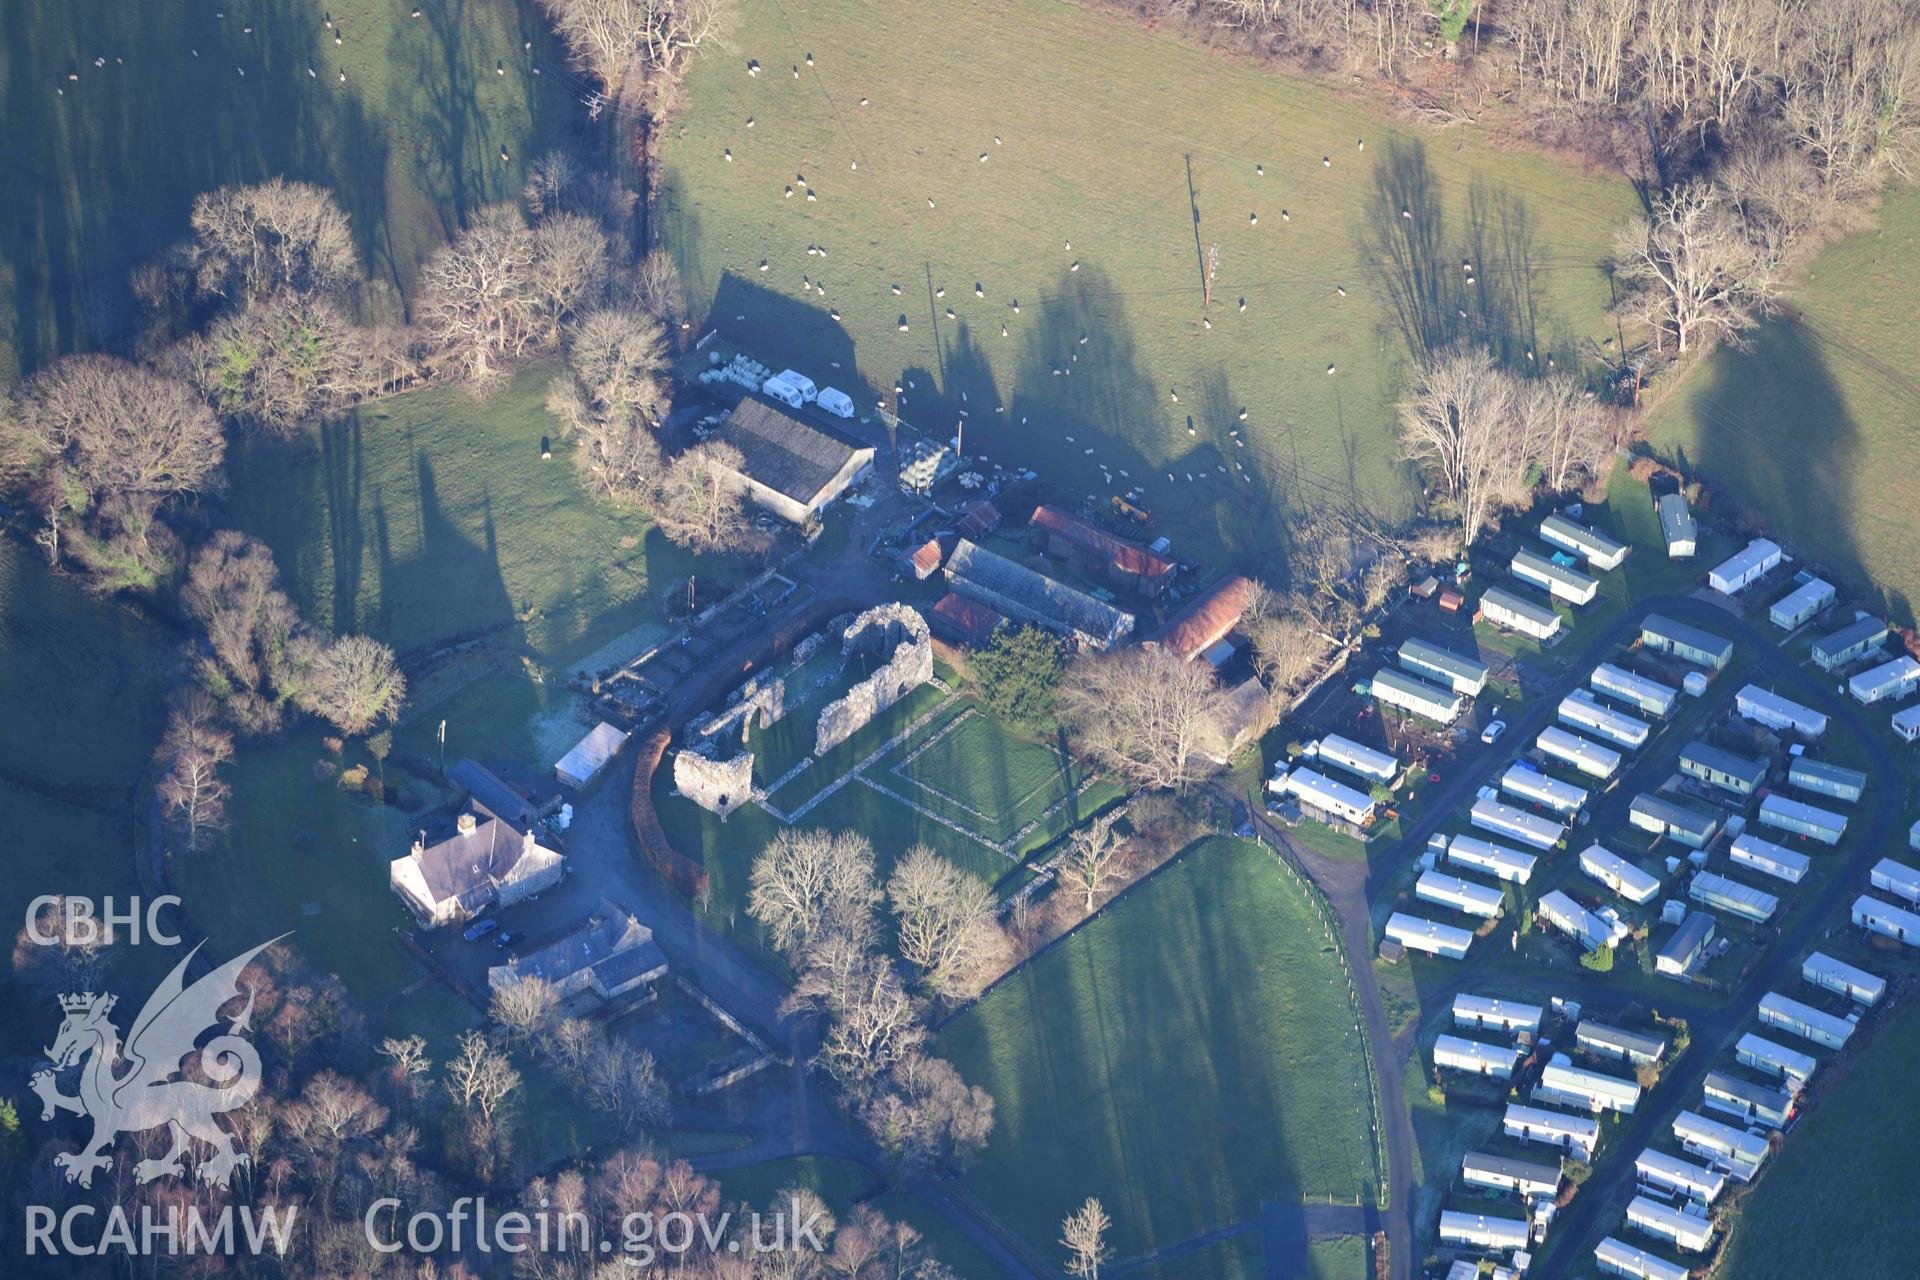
<point x="1491" y="734"/>
<point x="508" y="938"/>
<point x="480" y="929"/>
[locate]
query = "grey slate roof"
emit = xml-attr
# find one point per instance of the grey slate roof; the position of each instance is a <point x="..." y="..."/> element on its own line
<point x="787" y="455"/>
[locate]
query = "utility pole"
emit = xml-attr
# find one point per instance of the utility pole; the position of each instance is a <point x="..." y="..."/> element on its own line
<point x="443" y="746"/>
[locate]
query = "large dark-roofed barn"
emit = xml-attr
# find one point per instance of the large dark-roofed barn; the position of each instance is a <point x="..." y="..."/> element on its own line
<point x="792" y="468"/>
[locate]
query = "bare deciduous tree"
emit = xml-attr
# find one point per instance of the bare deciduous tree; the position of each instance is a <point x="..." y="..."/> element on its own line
<point x="63" y="947"/>
<point x="700" y="505"/>
<point x="1694" y="271"/>
<point x="355" y="683"/>
<point x="1091" y="860"/>
<point x="525" y="1009"/>
<point x="1287" y="644"/>
<point x="946" y="919"/>
<point x="925" y="1115"/>
<point x="609" y="38"/>
<point x="250" y="241"/>
<point x="1567" y="431"/>
<point x="1461" y="423"/>
<point x="191" y="753"/>
<point x="480" y="1078"/>
<point x="1145" y="713"/>
<point x="260" y="649"/>
<point x="806" y="884"/>
<point x="93" y="426"/>
<point x="612" y="400"/>
<point x="473" y="299"/>
<point x="874" y="1024"/>
<point x="1084" y="1234"/>
<point x="287" y="359"/>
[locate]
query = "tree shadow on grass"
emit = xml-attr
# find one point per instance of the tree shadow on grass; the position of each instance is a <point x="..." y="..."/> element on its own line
<point x="1479" y="286"/>
<point x="1773" y="434"/>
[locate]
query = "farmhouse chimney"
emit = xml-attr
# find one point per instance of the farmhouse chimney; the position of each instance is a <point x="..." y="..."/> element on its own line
<point x="467" y="824"/>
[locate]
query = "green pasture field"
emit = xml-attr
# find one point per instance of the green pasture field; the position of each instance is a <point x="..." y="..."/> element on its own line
<point x="100" y="173"/>
<point x="1187" y="1055"/>
<point x="980" y="775"/>
<point x="1836" y="1197"/>
<point x="1140" y="153"/>
<point x="1813" y="426"/>
<point x="430" y="519"/>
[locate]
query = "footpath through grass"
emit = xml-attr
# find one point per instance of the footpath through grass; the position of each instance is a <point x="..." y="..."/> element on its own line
<point x="1813" y="427"/>
<point x="101" y="172"/>
<point x="1186" y="1056"/>
<point x="1073" y="163"/>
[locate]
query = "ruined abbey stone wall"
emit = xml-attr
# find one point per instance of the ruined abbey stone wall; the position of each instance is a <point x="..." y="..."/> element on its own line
<point x="892" y="629"/>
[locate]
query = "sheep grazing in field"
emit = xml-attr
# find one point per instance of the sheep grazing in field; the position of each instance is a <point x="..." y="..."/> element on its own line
<point x="749" y="122"/>
<point x="996" y="139"/>
<point x="978" y="292"/>
<point x="1075" y="265"/>
<point x="1253" y="219"/>
<point x="1083" y="339"/>
<point x="1326" y="162"/>
<point x="833" y="315"/>
<point x="896" y="290"/>
<point x="789" y="194"/>
<point x="753" y="68"/>
<point x="812" y="196"/>
<point x="1003" y="331"/>
<point x="866" y="102"/>
<point x="1205" y="323"/>
<point x="1069" y="245"/>
<point x="809" y="59"/>
<point x="1285" y="216"/>
<point x="311" y="74"/>
<point x="241" y="70"/>
<point x="1471" y="280"/>
<point x="1243" y="304"/>
<point x="941" y="292"/>
<point x="1016" y="306"/>
<point x="343" y="77"/>
<point x="1069" y="439"/>
<point x="504" y="157"/>
<point x="726" y="154"/>
<point x="903" y="324"/>
<point x="949" y="313"/>
<point x="1329" y="369"/>
<point x="796" y="71"/>
<point x="983" y="157"/>
<point x="1363" y="144"/>
<point x="1406" y="213"/>
<point x="929" y="202"/>
<point x="1243" y="414"/>
<point x="1259" y="171"/>
<point x="1340" y="290"/>
<point x="1175" y="393"/>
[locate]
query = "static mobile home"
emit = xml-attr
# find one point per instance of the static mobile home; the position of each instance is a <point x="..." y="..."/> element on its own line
<point x="1537" y="788"/>
<point x="1856" y="640"/>
<point x="1731" y="896"/>
<point x="1577" y="1135"/>
<point x="1690" y="644"/>
<point x="1823" y="779"/>
<point x="1475" y="1057"/>
<point x="1465" y="896"/>
<point x="1724" y="769"/>
<point x="1783" y="814"/>
<point x="1596" y="548"/>
<point x="1744" y="567"/>
<point x="1583" y="711"/>
<point x="1398" y="689"/>
<point x="1894" y="678"/>
<point x="1357" y="759"/>
<point x="1429" y="936"/>
<point x="1858" y="985"/>
<point x="1505" y="609"/>
<point x="1527" y="828"/>
<point x="1677" y="526"/>
<point x="1767" y="708"/>
<point x="1650" y="696"/>
<point x="1587" y="756"/>
<point x="1496" y="860"/>
<point x="1616" y="873"/>
<point x="1768" y="858"/>
<point x="1559" y="581"/>
<point x="1443" y="667"/>
<point x="1887" y="920"/>
<point x="1508" y="1016"/>
<point x="1799" y="605"/>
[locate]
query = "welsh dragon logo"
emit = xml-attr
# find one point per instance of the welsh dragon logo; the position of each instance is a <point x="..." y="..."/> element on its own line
<point x="146" y="1096"/>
